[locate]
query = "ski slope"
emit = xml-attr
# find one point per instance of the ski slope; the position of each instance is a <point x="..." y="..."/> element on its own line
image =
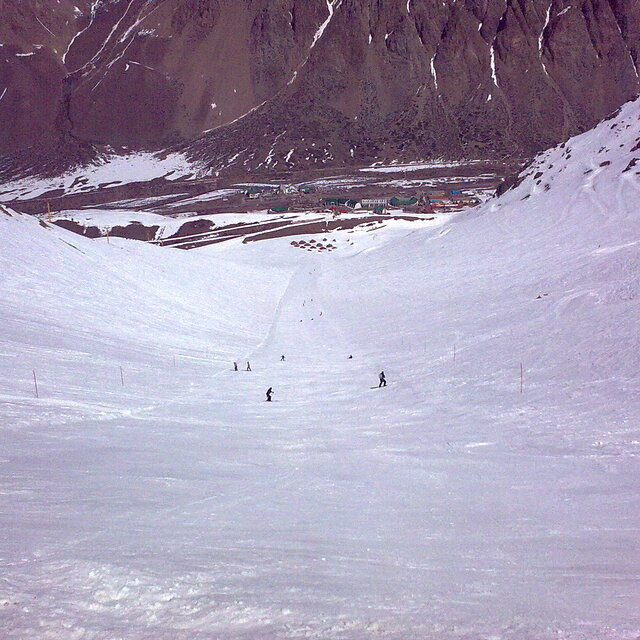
<point x="151" y="492"/>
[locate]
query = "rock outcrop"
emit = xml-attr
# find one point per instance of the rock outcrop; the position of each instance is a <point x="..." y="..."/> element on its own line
<point x="294" y="83"/>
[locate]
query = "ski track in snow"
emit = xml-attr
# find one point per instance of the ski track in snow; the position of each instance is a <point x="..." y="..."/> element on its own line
<point x="150" y="491"/>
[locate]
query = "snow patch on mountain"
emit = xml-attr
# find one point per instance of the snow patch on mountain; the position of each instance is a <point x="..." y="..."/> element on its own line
<point x="109" y="170"/>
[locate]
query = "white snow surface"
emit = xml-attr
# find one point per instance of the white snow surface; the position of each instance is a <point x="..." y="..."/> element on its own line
<point x="108" y="218"/>
<point x="448" y="505"/>
<point x="434" y="75"/>
<point x="417" y="166"/>
<point x="110" y="170"/>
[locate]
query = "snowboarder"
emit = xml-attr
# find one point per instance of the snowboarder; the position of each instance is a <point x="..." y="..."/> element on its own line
<point x="235" y="366"/>
<point x="282" y="358"/>
<point x="269" y="394"/>
<point x="248" y="366"/>
<point x="383" y="380"/>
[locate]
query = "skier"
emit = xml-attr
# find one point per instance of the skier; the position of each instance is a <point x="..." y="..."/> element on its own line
<point x="282" y="358"/>
<point x="248" y="366"/>
<point x="269" y="394"/>
<point x="350" y="358"/>
<point x="235" y="366"/>
<point x="383" y="380"/>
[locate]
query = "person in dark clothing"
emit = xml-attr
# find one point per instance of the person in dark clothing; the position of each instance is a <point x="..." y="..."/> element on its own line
<point x="269" y="394"/>
<point x="282" y="358"/>
<point x="235" y="366"/>
<point x="350" y="358"/>
<point x="383" y="380"/>
<point x="248" y="366"/>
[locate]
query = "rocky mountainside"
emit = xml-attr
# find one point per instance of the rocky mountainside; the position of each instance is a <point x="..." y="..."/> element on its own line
<point x="294" y="83"/>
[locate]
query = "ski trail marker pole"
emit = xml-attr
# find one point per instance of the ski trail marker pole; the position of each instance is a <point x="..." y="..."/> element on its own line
<point x="35" y="383"/>
<point x="521" y="377"/>
<point x="122" y="376"/>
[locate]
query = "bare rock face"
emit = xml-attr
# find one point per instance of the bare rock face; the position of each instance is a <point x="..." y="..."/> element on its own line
<point x="42" y="24"/>
<point x="425" y="78"/>
<point x="34" y="37"/>
<point x="31" y="90"/>
<point x="264" y="84"/>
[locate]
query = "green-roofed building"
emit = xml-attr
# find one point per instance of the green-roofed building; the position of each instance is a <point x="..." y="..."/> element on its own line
<point x="253" y="192"/>
<point x="403" y="202"/>
<point x="340" y="202"/>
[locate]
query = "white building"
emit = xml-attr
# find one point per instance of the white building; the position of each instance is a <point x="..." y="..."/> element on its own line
<point x="373" y="203"/>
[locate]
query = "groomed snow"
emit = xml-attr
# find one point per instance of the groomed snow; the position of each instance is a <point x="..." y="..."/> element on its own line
<point x="448" y="505"/>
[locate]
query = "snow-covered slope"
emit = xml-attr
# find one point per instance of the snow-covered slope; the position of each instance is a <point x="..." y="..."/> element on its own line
<point x="454" y="503"/>
<point x="105" y="171"/>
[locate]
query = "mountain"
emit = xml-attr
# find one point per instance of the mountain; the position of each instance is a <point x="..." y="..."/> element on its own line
<point x="299" y="83"/>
